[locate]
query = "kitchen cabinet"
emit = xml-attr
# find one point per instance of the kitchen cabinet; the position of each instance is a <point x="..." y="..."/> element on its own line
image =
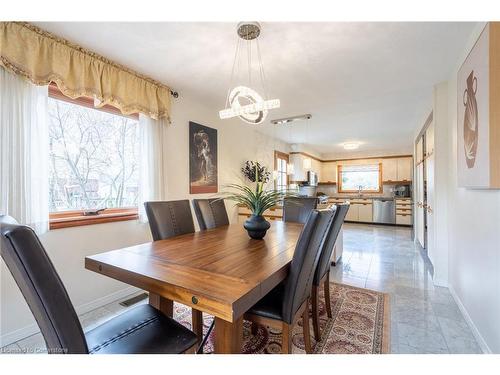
<point x="390" y="169"/>
<point x="365" y="212"/>
<point x="404" y="211"/>
<point x="404" y="169"/>
<point x="299" y="173"/>
<point x="404" y="219"/>
<point x="316" y="167"/>
<point x="328" y="172"/>
<point x="352" y="213"/>
<point x="273" y="213"/>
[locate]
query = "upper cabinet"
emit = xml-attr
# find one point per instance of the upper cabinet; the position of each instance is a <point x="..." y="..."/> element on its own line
<point x="390" y="169"/>
<point x="394" y="169"/>
<point x="329" y="172"/>
<point x="299" y="173"/>
<point x="405" y="166"/>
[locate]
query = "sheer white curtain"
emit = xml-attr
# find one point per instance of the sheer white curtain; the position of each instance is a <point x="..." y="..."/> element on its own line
<point x="24" y="148"/>
<point x="152" y="162"/>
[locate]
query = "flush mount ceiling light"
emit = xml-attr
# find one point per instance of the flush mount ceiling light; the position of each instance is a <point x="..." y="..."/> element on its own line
<point x="242" y="101"/>
<point x="350" y="145"/>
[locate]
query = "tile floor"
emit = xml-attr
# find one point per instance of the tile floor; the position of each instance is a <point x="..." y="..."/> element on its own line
<point x="424" y="318"/>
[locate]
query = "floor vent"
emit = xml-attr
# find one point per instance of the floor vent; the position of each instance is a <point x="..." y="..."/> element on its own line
<point x="132" y="301"/>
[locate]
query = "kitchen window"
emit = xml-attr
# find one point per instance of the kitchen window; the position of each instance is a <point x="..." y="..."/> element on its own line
<point x="93" y="162"/>
<point x="280" y="164"/>
<point x="365" y="178"/>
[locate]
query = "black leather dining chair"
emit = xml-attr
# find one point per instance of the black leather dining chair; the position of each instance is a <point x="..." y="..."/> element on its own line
<point x="297" y="209"/>
<point x="142" y="329"/>
<point x="168" y="219"/>
<point x="210" y="213"/>
<point x="283" y="306"/>
<point x="322" y="273"/>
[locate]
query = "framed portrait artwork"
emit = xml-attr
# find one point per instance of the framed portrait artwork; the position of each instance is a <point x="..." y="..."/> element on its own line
<point x="478" y="113"/>
<point x="202" y="159"/>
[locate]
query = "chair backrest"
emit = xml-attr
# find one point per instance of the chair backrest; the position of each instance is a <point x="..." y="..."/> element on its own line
<point x="329" y="244"/>
<point x="211" y="213"/>
<point x="297" y="210"/>
<point x="169" y="219"/>
<point x="41" y="287"/>
<point x="298" y="284"/>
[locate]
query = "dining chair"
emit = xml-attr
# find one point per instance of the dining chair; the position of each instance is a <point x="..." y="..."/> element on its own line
<point x="142" y="329"/>
<point x="284" y="305"/>
<point x="210" y="213"/>
<point x="297" y="209"/>
<point x="322" y="273"/>
<point x="168" y="219"/>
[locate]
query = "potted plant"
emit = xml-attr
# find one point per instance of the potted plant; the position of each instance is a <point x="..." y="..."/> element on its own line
<point x="256" y="198"/>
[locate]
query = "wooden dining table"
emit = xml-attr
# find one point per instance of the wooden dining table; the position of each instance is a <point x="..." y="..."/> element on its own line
<point x="221" y="271"/>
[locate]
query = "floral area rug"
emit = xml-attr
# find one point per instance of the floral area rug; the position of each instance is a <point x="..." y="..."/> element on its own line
<point x="360" y="325"/>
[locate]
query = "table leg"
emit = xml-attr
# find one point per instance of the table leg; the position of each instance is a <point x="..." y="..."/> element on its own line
<point x="228" y="336"/>
<point x="163" y="304"/>
<point x="197" y="324"/>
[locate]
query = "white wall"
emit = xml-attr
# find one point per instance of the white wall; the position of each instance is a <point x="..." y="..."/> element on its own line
<point x="474" y="237"/>
<point x="237" y="142"/>
<point x="467" y="225"/>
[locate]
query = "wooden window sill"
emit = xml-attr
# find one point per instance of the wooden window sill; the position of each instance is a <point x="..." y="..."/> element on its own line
<point x="68" y="219"/>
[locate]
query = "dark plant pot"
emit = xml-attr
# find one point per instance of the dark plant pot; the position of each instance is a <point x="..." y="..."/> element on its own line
<point x="256" y="227"/>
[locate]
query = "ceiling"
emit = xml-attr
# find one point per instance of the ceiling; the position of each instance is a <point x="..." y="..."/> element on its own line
<point x="366" y="82"/>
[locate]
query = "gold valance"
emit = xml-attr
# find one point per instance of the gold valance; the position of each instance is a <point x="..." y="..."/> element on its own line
<point x="43" y="58"/>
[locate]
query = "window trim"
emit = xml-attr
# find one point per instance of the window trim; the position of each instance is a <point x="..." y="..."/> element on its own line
<point x="284" y="156"/>
<point x="85" y="101"/>
<point x="75" y="218"/>
<point x="339" y="182"/>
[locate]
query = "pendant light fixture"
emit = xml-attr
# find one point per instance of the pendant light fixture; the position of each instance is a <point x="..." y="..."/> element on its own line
<point x="290" y="168"/>
<point x="242" y="101"/>
<point x="307" y="162"/>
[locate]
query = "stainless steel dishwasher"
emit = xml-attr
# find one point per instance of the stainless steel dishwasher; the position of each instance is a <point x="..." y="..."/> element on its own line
<point x="384" y="211"/>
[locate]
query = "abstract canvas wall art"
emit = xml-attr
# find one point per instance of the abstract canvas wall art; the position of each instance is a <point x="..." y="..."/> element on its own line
<point x="478" y="113"/>
<point x="202" y="159"/>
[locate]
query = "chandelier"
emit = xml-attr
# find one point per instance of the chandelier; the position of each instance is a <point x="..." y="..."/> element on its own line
<point x="242" y="101"/>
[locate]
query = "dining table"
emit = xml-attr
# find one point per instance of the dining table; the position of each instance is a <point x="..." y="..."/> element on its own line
<point x="221" y="271"/>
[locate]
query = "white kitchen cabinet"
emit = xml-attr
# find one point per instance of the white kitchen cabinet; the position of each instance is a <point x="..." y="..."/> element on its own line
<point x="316" y="167"/>
<point x="352" y="213"/>
<point x="299" y="173"/>
<point x="365" y="212"/>
<point x="329" y="172"/>
<point x="403" y="219"/>
<point x="404" y="169"/>
<point x="390" y="169"/>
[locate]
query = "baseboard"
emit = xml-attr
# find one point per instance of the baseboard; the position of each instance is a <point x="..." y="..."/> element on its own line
<point x="482" y="343"/>
<point x="440" y="282"/>
<point x="32" y="329"/>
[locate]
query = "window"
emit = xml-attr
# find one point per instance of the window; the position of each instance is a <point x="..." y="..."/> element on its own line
<point x="280" y="164"/>
<point x="93" y="160"/>
<point x="360" y="178"/>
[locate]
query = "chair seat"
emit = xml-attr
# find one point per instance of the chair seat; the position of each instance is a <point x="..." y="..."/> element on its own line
<point x="271" y="306"/>
<point x="141" y="330"/>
